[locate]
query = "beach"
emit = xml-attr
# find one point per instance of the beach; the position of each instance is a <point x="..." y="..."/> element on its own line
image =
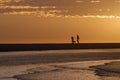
<point x="59" y="40"/>
<point x="93" y="64"/>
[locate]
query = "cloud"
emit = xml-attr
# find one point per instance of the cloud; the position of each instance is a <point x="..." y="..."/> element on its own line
<point x="60" y="8"/>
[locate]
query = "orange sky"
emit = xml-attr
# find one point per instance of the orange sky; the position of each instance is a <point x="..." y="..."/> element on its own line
<point x="29" y="29"/>
<point x="54" y="23"/>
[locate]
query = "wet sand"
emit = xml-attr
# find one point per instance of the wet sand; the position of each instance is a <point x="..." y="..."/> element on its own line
<point x="108" y="69"/>
<point x="58" y="56"/>
<point x="66" y="71"/>
<point x="60" y="65"/>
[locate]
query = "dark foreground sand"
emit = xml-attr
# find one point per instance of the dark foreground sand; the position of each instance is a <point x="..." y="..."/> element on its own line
<point x="24" y="58"/>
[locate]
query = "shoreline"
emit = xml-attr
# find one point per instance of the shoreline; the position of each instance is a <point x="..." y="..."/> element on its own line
<point x="65" y="46"/>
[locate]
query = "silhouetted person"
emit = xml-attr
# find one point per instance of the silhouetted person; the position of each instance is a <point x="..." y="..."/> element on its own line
<point x="72" y="38"/>
<point x="78" y="38"/>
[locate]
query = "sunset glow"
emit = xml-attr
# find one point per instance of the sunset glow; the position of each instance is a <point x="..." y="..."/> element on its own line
<point x="55" y="21"/>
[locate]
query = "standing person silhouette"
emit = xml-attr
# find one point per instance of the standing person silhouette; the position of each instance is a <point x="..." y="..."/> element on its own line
<point x="78" y="38"/>
<point x="72" y="38"/>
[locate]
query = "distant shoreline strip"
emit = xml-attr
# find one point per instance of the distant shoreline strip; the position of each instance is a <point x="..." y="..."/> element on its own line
<point x="38" y="47"/>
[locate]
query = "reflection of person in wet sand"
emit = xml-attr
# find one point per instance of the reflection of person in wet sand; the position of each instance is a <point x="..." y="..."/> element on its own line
<point x="78" y="38"/>
<point x="73" y="41"/>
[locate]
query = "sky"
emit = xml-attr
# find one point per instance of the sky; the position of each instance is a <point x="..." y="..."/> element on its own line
<point x="55" y="21"/>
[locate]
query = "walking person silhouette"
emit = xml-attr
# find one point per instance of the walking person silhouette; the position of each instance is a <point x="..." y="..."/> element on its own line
<point x="78" y="38"/>
<point x="73" y="41"/>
